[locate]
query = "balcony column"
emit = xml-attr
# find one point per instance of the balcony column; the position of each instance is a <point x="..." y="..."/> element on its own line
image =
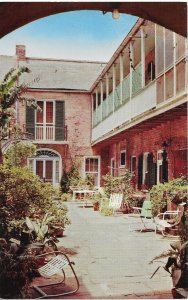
<point x="164" y="40"/>
<point x="101" y="89"/>
<point x="92" y="110"/>
<point x="121" y="78"/>
<point x="174" y="62"/>
<point x="44" y="122"/>
<point x="107" y="93"/>
<point x="96" y="96"/>
<point x="143" y="56"/>
<point x="131" y="68"/>
<point x="114" y="84"/>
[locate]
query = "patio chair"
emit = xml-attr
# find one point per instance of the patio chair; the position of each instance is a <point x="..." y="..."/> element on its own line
<point x="115" y="202"/>
<point x="143" y="217"/>
<point x="168" y="219"/>
<point x="56" y="265"/>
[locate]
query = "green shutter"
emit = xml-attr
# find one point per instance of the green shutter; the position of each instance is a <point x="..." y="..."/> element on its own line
<point x="140" y="170"/>
<point x="60" y="121"/>
<point x="30" y="121"/>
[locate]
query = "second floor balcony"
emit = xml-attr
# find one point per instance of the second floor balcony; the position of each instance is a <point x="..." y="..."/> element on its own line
<point x="47" y="133"/>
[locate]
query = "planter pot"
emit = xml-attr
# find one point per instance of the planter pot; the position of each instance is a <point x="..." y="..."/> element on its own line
<point x="58" y="232"/>
<point x="96" y="206"/>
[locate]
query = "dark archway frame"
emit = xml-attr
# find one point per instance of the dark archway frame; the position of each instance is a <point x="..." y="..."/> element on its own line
<point x="172" y="15"/>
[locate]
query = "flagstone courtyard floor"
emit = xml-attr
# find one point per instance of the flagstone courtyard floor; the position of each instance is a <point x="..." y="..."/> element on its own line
<point x="111" y="261"/>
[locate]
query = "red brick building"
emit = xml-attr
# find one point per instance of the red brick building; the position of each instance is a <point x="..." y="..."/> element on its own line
<point x="140" y="107"/>
<point x="127" y="114"/>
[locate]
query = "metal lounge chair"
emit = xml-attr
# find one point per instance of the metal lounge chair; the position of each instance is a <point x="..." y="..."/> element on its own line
<point x="168" y="219"/>
<point x="143" y="218"/>
<point x="114" y="203"/>
<point x="52" y="267"/>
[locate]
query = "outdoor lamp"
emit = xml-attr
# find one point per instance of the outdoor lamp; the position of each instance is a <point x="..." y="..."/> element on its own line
<point x="115" y="14"/>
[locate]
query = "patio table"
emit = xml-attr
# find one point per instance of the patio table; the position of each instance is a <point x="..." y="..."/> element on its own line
<point x="85" y="194"/>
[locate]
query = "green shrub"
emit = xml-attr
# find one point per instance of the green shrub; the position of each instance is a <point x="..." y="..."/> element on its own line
<point x="173" y="191"/>
<point x="21" y="194"/>
<point x="65" y="197"/>
<point x="74" y="178"/>
<point x="121" y="184"/>
<point x="16" y="274"/>
<point x="18" y="153"/>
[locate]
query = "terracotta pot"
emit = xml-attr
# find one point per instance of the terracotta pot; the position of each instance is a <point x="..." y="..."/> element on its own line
<point x="96" y="206"/>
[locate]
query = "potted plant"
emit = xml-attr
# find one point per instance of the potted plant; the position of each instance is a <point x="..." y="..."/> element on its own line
<point x="58" y="224"/>
<point x="177" y="262"/>
<point x="16" y="273"/>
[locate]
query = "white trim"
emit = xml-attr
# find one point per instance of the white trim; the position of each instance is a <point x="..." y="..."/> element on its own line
<point x="44" y="159"/>
<point x="159" y="163"/>
<point x="113" y="84"/>
<point x="99" y="168"/>
<point x="51" y="142"/>
<point x="145" y="167"/>
<point x="143" y="55"/>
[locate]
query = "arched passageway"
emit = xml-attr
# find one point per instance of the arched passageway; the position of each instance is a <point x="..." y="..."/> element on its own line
<point x="172" y="15"/>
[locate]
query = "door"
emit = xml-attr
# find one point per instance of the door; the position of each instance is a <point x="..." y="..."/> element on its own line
<point x="44" y="169"/>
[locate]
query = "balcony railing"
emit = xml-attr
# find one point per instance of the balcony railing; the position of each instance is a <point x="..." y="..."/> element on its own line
<point x="45" y="133"/>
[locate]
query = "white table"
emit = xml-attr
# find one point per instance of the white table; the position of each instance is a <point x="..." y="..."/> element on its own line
<point x="84" y="192"/>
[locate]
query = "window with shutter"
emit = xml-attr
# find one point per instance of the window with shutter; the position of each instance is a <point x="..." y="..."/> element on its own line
<point x="60" y="121"/>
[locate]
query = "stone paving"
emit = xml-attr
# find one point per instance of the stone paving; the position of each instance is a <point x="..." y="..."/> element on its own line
<point x="111" y="261"/>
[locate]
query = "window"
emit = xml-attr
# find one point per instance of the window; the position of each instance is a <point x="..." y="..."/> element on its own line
<point x="45" y="121"/>
<point x="48" y="124"/>
<point x="145" y="168"/>
<point x="123" y="158"/>
<point x="92" y="169"/>
<point x="46" y="164"/>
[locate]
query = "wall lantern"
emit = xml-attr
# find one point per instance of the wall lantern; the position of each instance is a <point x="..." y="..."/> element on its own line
<point x="115" y="14"/>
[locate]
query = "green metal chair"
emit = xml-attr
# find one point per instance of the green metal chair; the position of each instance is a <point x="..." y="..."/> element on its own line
<point x="143" y="218"/>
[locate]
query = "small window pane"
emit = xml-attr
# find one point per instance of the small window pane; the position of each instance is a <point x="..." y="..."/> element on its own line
<point x="49" y="112"/>
<point x="40" y="113"/>
<point x="123" y="159"/>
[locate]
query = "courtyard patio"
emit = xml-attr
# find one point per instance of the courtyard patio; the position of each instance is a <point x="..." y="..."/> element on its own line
<point x="111" y="261"/>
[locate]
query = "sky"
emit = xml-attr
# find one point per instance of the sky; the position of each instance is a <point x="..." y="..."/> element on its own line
<point x="79" y="35"/>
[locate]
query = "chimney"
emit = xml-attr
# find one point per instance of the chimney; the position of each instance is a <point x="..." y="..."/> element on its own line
<point x="20" y="52"/>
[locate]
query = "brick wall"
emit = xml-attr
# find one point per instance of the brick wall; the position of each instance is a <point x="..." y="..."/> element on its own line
<point x="151" y="140"/>
<point x="77" y="120"/>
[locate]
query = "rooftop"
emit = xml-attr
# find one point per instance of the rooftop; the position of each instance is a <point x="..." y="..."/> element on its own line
<point x="53" y="73"/>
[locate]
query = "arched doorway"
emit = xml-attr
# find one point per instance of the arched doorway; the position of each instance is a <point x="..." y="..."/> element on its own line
<point x="47" y="165"/>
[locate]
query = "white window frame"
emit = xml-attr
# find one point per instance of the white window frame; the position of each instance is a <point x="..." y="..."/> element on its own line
<point x="44" y="124"/>
<point x="99" y="168"/>
<point x="145" y="166"/>
<point x="121" y="152"/>
<point x="159" y="163"/>
<point x="32" y="161"/>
